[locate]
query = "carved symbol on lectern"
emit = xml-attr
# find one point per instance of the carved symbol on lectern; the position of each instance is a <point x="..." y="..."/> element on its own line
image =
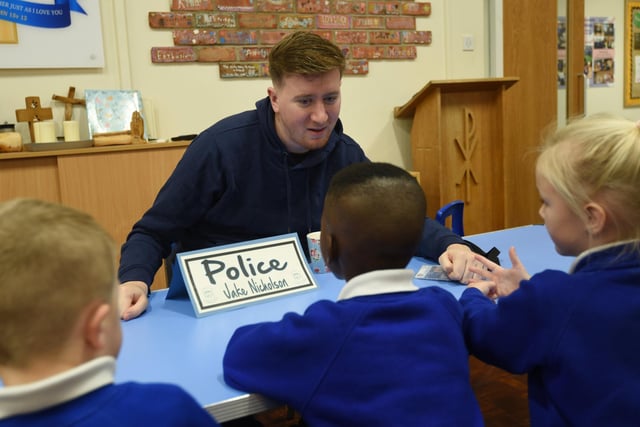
<point x="467" y="147"/>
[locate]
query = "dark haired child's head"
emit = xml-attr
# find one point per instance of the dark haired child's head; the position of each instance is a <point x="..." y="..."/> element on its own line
<point x="588" y="176"/>
<point x="372" y="219"/>
<point x="59" y="286"/>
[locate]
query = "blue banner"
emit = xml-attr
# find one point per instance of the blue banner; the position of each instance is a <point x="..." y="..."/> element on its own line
<point x="56" y="15"/>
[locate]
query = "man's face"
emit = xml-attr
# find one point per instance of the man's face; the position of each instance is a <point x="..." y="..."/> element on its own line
<point x="307" y="109"/>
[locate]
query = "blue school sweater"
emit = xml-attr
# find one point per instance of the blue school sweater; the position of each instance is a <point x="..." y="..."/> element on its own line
<point x="386" y="354"/>
<point x="577" y="335"/>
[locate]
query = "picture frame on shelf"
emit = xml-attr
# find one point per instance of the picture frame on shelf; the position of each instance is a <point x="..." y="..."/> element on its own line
<point x="111" y="110"/>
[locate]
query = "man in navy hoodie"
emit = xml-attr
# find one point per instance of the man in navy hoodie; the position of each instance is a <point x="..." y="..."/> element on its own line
<point x="262" y="173"/>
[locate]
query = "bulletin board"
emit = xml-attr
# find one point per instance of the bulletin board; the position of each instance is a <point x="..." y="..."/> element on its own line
<point x="51" y="34"/>
<point x="632" y="54"/>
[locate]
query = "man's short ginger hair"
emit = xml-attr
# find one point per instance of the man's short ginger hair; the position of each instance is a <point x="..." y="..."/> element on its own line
<point x="54" y="262"/>
<point x="304" y="53"/>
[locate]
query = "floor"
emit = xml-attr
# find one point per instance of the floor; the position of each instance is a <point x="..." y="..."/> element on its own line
<point x="502" y="396"/>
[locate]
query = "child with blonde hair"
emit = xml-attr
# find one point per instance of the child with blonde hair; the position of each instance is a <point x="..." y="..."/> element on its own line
<point x="60" y="328"/>
<point x="576" y="334"/>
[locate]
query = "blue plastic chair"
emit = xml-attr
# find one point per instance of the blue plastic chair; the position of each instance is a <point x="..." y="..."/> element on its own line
<point x="454" y="210"/>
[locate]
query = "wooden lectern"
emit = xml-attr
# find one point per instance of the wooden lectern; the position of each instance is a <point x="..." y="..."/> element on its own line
<point x="457" y="145"/>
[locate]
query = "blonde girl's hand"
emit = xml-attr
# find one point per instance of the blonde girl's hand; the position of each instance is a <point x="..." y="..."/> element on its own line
<point x="487" y="287"/>
<point x="506" y="280"/>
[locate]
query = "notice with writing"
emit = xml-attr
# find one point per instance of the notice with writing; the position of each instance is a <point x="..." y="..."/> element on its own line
<point x="229" y="276"/>
<point x="50" y="34"/>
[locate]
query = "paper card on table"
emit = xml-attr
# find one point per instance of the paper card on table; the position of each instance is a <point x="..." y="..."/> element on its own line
<point x="229" y="276"/>
<point x="432" y="272"/>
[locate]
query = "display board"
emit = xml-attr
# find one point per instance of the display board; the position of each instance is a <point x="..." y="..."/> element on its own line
<point x="51" y="34"/>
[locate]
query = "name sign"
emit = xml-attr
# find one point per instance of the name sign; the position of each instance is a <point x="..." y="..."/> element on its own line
<point x="229" y="276"/>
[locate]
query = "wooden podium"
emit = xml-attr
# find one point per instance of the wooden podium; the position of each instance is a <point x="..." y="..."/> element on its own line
<point x="457" y="145"/>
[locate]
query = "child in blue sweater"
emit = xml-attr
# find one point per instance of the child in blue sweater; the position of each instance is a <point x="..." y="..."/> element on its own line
<point x="576" y="334"/>
<point x="386" y="353"/>
<point x="60" y="328"/>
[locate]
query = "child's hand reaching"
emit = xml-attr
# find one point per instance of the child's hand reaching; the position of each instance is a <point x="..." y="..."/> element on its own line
<point x="497" y="281"/>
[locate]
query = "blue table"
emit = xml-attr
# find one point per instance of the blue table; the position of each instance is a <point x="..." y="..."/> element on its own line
<point x="168" y="343"/>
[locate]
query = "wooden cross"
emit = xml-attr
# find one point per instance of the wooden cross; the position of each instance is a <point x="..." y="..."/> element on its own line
<point x="33" y="113"/>
<point x="69" y="102"/>
<point x="467" y="147"/>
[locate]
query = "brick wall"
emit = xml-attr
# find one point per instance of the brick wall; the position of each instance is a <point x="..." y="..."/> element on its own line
<point x="238" y="34"/>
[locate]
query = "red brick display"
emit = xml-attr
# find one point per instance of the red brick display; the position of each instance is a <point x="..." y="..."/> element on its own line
<point x="238" y="34"/>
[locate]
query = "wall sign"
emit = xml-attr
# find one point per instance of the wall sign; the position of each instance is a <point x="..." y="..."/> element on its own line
<point x="50" y="34"/>
<point x="229" y="276"/>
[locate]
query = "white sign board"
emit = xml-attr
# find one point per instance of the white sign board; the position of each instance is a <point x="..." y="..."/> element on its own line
<point x="50" y="34"/>
<point x="229" y="276"/>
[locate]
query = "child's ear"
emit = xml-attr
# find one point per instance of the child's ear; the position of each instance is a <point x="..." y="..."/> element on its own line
<point x="96" y="326"/>
<point x="332" y="257"/>
<point x="328" y="246"/>
<point x="596" y="218"/>
<point x="273" y="98"/>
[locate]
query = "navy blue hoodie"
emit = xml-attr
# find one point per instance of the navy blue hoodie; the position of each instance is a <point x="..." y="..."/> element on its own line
<point x="237" y="182"/>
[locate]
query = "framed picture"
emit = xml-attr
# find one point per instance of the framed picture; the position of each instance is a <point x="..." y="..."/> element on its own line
<point x="111" y="110"/>
<point x="632" y="54"/>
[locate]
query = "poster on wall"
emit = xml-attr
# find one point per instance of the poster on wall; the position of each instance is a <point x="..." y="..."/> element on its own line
<point x="599" y="51"/>
<point x="51" y="34"/>
<point x="562" y="52"/>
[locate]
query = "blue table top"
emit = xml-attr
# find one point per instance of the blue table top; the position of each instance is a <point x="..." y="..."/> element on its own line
<point x="168" y="343"/>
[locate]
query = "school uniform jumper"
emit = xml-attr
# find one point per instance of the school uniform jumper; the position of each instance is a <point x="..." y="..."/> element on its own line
<point x="577" y="335"/>
<point x="85" y="396"/>
<point x="237" y="182"/>
<point x="385" y="354"/>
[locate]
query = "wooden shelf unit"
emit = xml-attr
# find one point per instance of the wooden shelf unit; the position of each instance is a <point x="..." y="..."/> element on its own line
<point x="114" y="184"/>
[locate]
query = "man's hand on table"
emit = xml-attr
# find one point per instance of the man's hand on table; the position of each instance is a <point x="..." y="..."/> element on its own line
<point x="133" y="299"/>
<point x="457" y="260"/>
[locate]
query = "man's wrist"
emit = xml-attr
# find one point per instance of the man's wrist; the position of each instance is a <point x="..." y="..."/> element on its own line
<point x="140" y="285"/>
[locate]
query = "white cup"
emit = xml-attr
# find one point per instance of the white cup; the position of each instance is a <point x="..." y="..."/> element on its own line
<point x="315" y="253"/>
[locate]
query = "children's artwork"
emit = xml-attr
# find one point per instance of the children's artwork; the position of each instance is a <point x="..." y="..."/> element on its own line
<point x="111" y="110"/>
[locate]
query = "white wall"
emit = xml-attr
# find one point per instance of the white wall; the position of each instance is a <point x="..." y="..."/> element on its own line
<point x="187" y="98"/>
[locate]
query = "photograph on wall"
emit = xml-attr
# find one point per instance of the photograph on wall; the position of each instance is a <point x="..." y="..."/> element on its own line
<point x="51" y="34"/>
<point x="599" y="38"/>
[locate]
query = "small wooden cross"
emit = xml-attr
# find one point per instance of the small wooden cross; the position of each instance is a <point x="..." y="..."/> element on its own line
<point x="33" y="113"/>
<point x="69" y="102"/>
